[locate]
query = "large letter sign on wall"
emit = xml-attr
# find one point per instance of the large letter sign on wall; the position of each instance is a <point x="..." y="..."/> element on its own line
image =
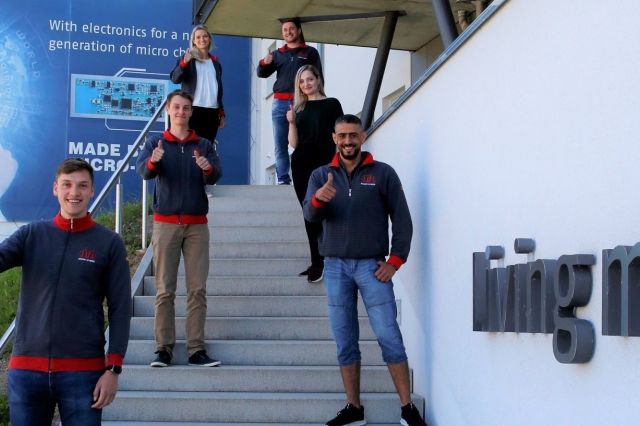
<point x="573" y="338"/>
<point x="535" y="297"/>
<point x="621" y="291"/>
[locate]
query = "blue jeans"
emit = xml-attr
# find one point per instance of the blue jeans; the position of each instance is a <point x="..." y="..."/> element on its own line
<point x="279" y="110"/>
<point x="34" y="394"/>
<point x="342" y="279"/>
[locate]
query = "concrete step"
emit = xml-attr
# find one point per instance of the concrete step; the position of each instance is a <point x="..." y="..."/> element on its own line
<point x="254" y="267"/>
<point x="260" y="192"/>
<point x="256" y="218"/>
<point x="258" y="352"/>
<point x="250" y="407"/>
<point x="233" y="204"/>
<point x="135" y="423"/>
<point x="259" y="234"/>
<point x="253" y="328"/>
<point x="249" y="379"/>
<point x="246" y="306"/>
<point x="268" y="327"/>
<point x="260" y="250"/>
<point x="248" y="286"/>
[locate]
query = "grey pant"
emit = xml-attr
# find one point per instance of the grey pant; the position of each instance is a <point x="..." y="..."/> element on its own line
<point x="169" y="241"/>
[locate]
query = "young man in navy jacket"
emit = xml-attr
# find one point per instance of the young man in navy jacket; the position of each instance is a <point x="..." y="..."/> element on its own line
<point x="355" y="196"/>
<point x="285" y="62"/>
<point x="69" y="266"/>
<point x="182" y="163"/>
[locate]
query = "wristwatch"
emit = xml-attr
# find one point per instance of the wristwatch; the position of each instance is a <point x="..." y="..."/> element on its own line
<point x="115" y="369"/>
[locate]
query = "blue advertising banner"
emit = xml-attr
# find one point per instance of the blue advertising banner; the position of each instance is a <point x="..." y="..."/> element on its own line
<point x="80" y="78"/>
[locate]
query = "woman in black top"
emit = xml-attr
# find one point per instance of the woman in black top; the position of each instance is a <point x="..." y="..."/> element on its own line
<point x="311" y="120"/>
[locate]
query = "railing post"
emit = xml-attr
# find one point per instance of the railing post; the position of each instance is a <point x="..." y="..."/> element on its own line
<point x="379" y="64"/>
<point x="118" y="224"/>
<point x="145" y="189"/>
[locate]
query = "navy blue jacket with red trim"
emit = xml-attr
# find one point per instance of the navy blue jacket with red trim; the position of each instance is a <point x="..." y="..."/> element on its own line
<point x="356" y="221"/>
<point x="179" y="195"/>
<point x="186" y="74"/>
<point x="286" y="62"/>
<point x="68" y="268"/>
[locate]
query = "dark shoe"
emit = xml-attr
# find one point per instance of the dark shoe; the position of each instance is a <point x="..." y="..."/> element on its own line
<point x="162" y="360"/>
<point x="349" y="416"/>
<point x="411" y="416"/>
<point x="305" y="272"/>
<point x="316" y="272"/>
<point x="201" y="359"/>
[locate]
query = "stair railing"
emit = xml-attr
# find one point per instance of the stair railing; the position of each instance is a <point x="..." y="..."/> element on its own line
<point x="113" y="182"/>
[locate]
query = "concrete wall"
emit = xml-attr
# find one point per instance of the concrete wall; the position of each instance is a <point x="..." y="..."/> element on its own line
<point x="529" y="129"/>
<point x="347" y="70"/>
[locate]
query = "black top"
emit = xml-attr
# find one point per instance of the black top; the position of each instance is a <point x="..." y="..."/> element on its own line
<point x="315" y="125"/>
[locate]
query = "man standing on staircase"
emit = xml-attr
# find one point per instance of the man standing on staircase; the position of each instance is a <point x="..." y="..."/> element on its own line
<point x="285" y="62"/>
<point x="182" y="164"/>
<point x="354" y="197"/>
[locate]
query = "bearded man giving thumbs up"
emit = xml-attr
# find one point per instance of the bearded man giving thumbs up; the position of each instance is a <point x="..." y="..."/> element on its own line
<point x="354" y="197"/>
<point x="182" y="164"/>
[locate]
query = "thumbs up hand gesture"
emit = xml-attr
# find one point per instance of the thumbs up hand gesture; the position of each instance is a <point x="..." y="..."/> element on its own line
<point x="268" y="58"/>
<point x="327" y="191"/>
<point x="157" y="153"/>
<point x="291" y="115"/>
<point x="201" y="161"/>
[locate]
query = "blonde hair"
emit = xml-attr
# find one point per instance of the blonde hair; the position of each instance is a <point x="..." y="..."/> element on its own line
<point x="193" y="36"/>
<point x="300" y="99"/>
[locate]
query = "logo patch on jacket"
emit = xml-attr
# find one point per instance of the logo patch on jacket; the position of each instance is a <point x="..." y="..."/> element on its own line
<point x="87" y="255"/>
<point x="369" y="180"/>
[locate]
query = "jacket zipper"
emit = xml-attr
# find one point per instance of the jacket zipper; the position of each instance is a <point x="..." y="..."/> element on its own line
<point x="55" y="292"/>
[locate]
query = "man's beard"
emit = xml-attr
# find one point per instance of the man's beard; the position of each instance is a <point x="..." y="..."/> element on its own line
<point x="352" y="156"/>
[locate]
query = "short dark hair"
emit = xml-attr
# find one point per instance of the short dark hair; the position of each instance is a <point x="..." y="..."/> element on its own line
<point x="348" y="119"/>
<point x="180" y="93"/>
<point x="72" y="165"/>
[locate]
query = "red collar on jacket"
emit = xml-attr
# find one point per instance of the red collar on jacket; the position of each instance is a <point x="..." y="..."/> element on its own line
<point x="367" y="159"/>
<point x="74" y="225"/>
<point x="286" y="47"/>
<point x="213" y="57"/>
<point x="191" y="136"/>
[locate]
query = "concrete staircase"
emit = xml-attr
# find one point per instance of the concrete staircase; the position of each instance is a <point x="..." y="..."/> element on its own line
<point x="268" y="326"/>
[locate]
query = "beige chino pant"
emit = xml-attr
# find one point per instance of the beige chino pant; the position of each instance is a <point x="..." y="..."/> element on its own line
<point x="169" y="241"/>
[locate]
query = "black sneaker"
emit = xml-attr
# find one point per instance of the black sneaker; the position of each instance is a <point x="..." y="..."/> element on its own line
<point x="411" y="416"/>
<point x="162" y="360"/>
<point x="316" y="272"/>
<point x="201" y="359"/>
<point x="305" y="272"/>
<point x="349" y="416"/>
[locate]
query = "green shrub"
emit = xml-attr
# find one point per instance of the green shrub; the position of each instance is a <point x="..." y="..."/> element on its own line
<point x="4" y="410"/>
<point x="131" y="229"/>
<point x="9" y="292"/>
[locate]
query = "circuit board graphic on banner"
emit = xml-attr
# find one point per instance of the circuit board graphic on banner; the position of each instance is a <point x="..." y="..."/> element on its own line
<point x="81" y="78"/>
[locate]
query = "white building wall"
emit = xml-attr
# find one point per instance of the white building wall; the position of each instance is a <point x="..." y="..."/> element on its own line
<point x="347" y="71"/>
<point x="528" y="130"/>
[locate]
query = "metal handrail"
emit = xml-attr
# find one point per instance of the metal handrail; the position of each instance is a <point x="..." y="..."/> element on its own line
<point x="124" y="164"/>
<point x="114" y="180"/>
<point x="7" y="337"/>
